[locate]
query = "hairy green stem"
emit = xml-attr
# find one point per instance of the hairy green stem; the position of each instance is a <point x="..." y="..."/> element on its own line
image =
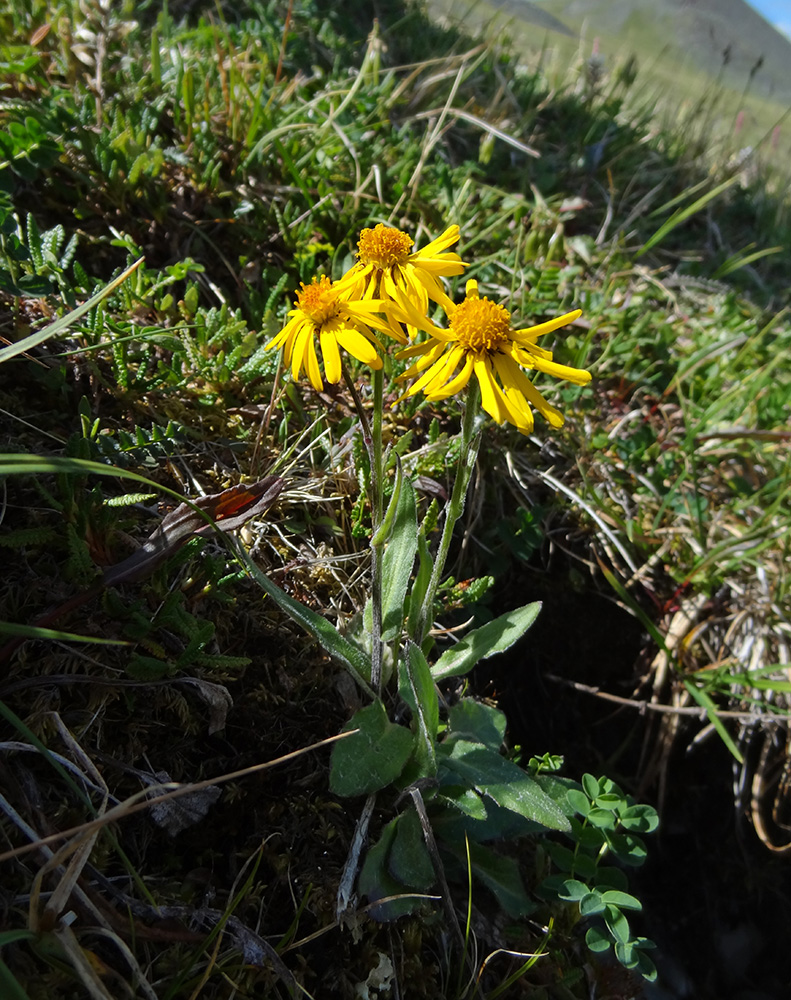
<point x="377" y="546"/>
<point x="468" y="453"/>
<point x="372" y="438"/>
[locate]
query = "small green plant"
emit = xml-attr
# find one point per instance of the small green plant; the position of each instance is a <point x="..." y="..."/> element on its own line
<point x="605" y="826"/>
<point x="462" y="796"/>
<point x="33" y="263"/>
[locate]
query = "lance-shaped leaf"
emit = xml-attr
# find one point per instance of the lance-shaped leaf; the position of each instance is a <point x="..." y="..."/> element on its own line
<point x="416" y="687"/>
<point x="64" y="322"/>
<point x="493" y="637"/>
<point x="398" y="560"/>
<point x="351" y="657"/>
<point x="474" y="721"/>
<point x="398" y="536"/>
<point x="491" y="775"/>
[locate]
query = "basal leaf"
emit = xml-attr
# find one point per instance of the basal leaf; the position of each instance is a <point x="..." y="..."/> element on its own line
<point x="474" y="721"/>
<point x="502" y="876"/>
<point x="376" y="882"/>
<point x="409" y="860"/>
<point x="372" y="758"/>
<point x="502" y="780"/>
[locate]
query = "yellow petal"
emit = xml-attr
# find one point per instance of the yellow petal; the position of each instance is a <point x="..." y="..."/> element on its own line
<point x="489" y="396"/>
<point x="434" y="290"/>
<point x="425" y="379"/>
<point x="359" y="347"/>
<point x="312" y="365"/>
<point x="288" y="330"/>
<point x="531" y="332"/>
<point x="302" y="338"/>
<point x="457" y="383"/>
<point x="431" y="356"/>
<point x="332" y="357"/>
<point x="526" y="354"/>
<point x="414" y="350"/>
<point x="511" y="374"/>
<point x="444" y="370"/>
<point x="416" y="292"/>
<point x="353" y="283"/>
<point x="446" y="264"/>
<point x="447" y="239"/>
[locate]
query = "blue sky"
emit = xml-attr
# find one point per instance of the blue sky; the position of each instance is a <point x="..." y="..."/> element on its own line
<point x="777" y="12"/>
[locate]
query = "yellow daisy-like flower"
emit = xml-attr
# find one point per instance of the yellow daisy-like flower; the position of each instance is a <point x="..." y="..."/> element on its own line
<point x="388" y="269"/>
<point x="323" y="312"/>
<point x="481" y="340"/>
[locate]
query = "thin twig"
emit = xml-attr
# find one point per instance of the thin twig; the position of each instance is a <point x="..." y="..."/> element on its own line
<point x="646" y="706"/>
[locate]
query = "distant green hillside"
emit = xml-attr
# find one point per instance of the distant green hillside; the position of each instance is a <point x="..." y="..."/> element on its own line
<point x="713" y="66"/>
<point x="708" y="33"/>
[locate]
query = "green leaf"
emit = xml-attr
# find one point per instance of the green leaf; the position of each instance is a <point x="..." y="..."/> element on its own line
<point x="376" y="882"/>
<point x="574" y="890"/>
<point x="611" y="878"/>
<point x="409" y="861"/>
<point x="36" y="632"/>
<point x="493" y="637"/>
<point x="502" y="876"/>
<point x="682" y="214"/>
<point x="597" y="940"/>
<point x="621" y="899"/>
<point x="609" y="801"/>
<point x="35" y="286"/>
<point x="128" y="499"/>
<point x="629" y="849"/>
<point x="626" y="954"/>
<point x="557" y="789"/>
<point x="591" y="904"/>
<point x="62" y="324"/>
<point x="348" y="655"/>
<point x="416" y="687"/>
<point x="563" y="857"/>
<point x="420" y="585"/>
<point x="399" y="558"/>
<point x="591" y="838"/>
<point x="591" y="785"/>
<point x="500" y="779"/>
<point x="645" y="966"/>
<point x="703" y="699"/>
<point x="466" y="800"/>
<point x="473" y="720"/>
<point x="552" y="886"/>
<point x="617" y="924"/>
<point x="11" y="988"/>
<point x="602" y="818"/>
<point x="372" y="758"/>
<point x="18" y="934"/>
<point x="640" y="818"/>
<point x="585" y="866"/>
<point x="579" y="801"/>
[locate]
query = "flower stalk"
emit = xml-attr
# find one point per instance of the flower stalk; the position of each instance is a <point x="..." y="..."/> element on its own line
<point x="468" y="455"/>
<point x="372" y="439"/>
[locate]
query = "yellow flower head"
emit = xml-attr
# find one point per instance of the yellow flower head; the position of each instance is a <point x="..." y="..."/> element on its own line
<point x="481" y="340"/>
<point x="322" y="311"/>
<point x="388" y="269"/>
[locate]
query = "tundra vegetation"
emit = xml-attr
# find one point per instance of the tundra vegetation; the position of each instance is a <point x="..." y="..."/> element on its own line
<point x="394" y="495"/>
